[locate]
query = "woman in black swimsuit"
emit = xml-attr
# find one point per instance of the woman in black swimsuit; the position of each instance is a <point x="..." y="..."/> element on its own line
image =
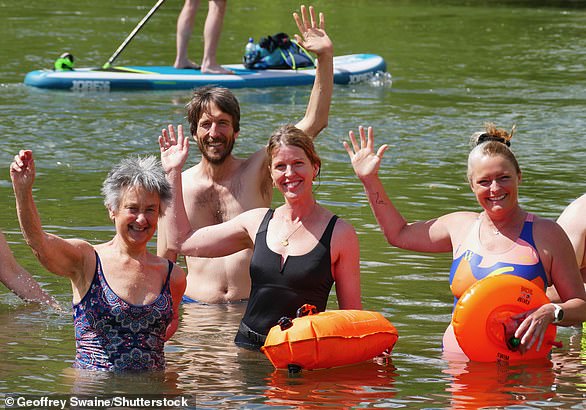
<point x="300" y="249"/>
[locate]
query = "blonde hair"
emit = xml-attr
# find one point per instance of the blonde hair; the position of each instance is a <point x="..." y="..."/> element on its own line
<point x="293" y="136"/>
<point x="492" y="142"/>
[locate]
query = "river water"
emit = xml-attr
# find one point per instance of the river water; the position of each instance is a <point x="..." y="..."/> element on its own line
<point x="454" y="66"/>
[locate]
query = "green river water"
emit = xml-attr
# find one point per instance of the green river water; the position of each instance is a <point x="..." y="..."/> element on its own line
<point x="454" y="66"/>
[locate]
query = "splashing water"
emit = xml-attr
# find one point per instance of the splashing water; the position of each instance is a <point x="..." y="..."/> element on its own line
<point x="381" y="79"/>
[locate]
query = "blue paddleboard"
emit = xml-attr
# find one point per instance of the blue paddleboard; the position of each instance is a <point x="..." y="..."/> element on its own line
<point x="348" y="69"/>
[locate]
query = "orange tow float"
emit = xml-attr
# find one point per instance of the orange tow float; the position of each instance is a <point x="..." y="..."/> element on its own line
<point x="328" y="339"/>
<point x="483" y="319"/>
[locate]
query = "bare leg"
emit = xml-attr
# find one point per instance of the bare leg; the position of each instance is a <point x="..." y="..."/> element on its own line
<point x="185" y="23"/>
<point x="211" y="35"/>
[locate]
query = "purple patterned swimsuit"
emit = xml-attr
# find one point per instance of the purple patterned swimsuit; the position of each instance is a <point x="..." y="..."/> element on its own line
<point x="111" y="334"/>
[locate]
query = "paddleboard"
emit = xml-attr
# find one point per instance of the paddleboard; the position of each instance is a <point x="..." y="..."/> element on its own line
<point x="348" y="69"/>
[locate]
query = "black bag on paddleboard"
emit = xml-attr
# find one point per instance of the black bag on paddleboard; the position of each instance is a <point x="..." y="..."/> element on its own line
<point x="277" y="52"/>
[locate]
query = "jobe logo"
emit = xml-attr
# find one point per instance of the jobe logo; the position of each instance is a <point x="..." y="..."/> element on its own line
<point x="525" y="295"/>
<point x="87" y="85"/>
<point x="357" y="78"/>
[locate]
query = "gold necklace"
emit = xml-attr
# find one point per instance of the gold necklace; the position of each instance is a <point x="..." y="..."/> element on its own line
<point x="285" y="242"/>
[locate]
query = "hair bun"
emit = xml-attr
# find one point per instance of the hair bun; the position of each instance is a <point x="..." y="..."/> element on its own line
<point x="492" y="133"/>
<point x="484" y="137"/>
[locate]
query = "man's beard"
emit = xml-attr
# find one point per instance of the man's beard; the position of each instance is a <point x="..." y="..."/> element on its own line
<point x="216" y="160"/>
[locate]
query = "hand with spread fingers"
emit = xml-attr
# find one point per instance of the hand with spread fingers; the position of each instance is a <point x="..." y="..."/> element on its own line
<point x="313" y="33"/>
<point x="364" y="160"/>
<point x="174" y="148"/>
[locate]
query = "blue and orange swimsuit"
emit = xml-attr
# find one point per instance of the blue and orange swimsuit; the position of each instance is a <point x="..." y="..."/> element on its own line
<point x="472" y="262"/>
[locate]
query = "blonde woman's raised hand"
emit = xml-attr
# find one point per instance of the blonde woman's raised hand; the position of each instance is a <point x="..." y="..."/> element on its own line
<point x="313" y="36"/>
<point x="364" y="160"/>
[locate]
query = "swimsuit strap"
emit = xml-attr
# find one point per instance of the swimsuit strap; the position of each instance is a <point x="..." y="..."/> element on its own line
<point x="265" y="221"/>
<point x="100" y="271"/>
<point x="527" y="231"/>
<point x="327" y="235"/>
<point x="171" y="265"/>
<point x="98" y="262"/>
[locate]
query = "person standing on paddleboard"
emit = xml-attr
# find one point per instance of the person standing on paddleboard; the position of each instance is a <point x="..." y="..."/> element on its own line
<point x="211" y="36"/>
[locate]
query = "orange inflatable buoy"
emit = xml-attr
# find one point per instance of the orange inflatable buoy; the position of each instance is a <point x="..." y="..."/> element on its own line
<point x="328" y="339"/>
<point x="483" y="322"/>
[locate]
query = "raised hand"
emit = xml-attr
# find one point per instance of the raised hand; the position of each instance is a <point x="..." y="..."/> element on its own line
<point x="313" y="35"/>
<point x="174" y="149"/>
<point x="22" y="170"/>
<point x="364" y="161"/>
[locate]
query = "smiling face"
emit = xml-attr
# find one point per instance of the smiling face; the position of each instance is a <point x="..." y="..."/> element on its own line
<point x="137" y="216"/>
<point x="215" y="134"/>
<point x="495" y="182"/>
<point x="292" y="171"/>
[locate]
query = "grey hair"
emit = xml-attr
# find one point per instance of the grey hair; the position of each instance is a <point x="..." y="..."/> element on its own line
<point x="144" y="172"/>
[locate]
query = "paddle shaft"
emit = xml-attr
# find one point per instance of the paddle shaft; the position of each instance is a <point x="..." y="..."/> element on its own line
<point x="132" y="34"/>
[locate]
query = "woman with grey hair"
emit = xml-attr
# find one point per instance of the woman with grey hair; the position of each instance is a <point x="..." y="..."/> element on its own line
<point x="125" y="299"/>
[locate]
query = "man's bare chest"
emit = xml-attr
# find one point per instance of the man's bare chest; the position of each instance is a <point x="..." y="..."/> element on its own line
<point x="212" y="204"/>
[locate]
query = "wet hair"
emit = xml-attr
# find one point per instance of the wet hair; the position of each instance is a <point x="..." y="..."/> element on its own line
<point x="135" y="172"/>
<point x="492" y="142"/>
<point x="203" y="97"/>
<point x="292" y="136"/>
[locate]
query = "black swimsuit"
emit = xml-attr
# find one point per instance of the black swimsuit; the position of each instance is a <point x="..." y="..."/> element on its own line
<point x="279" y="290"/>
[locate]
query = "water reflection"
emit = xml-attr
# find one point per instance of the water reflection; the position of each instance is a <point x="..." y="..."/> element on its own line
<point x="81" y="382"/>
<point x="548" y="382"/>
<point x="342" y="387"/>
<point x="209" y="363"/>
<point x="475" y="385"/>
